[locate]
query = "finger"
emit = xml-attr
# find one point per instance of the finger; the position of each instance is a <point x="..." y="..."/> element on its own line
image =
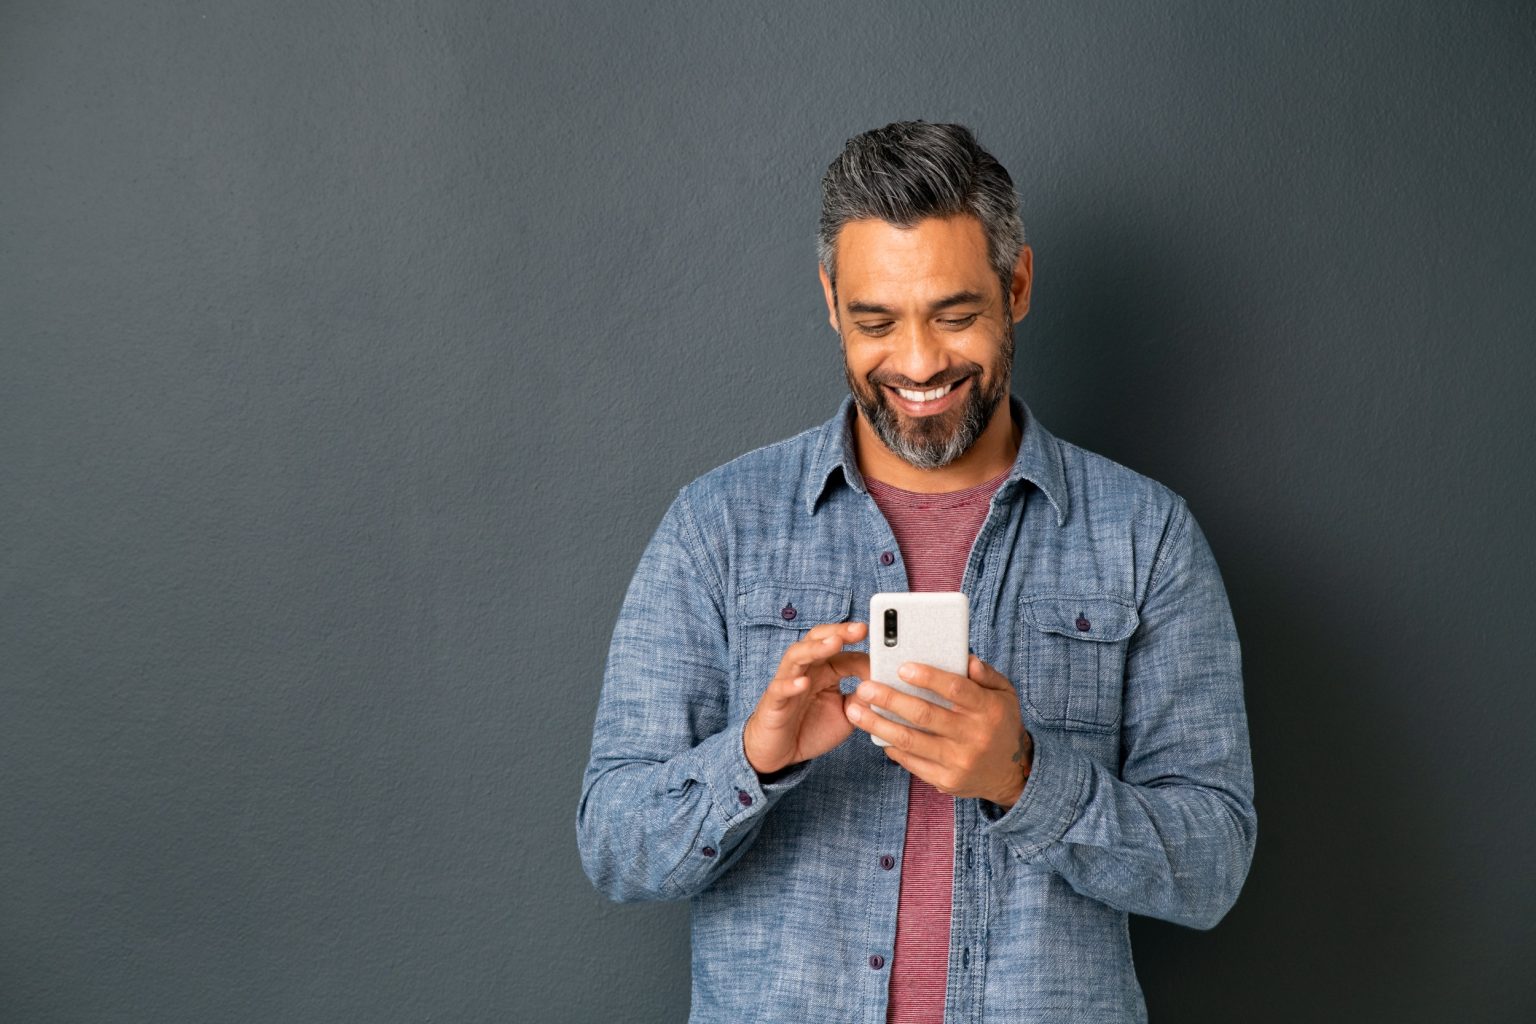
<point x="930" y="772"/>
<point x="779" y="701"/>
<point x="847" y="632"/>
<point x="850" y="663"/>
<point x="843" y="630"/>
<point x="956" y="689"/>
<point x="924" y="714"/>
<point x="903" y="737"/>
<point x="820" y="641"/>
<point x="983" y="674"/>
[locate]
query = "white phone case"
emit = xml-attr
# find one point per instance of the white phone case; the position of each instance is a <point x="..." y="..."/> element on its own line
<point x="931" y="629"/>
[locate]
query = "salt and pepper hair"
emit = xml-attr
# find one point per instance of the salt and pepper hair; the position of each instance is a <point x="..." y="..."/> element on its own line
<point x="911" y="170"/>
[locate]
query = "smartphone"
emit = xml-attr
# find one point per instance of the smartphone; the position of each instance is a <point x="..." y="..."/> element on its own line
<point x="928" y="628"/>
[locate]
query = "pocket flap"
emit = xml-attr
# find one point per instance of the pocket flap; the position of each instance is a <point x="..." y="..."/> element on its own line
<point x="795" y="605"/>
<point x="1105" y="619"/>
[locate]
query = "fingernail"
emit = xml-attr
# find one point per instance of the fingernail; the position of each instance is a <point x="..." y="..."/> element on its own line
<point x="866" y="690"/>
<point x="854" y="713"/>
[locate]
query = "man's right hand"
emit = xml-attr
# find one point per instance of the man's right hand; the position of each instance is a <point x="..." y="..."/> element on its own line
<point x="800" y="715"/>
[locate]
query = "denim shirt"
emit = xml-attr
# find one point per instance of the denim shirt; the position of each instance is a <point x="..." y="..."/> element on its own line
<point x="1091" y="588"/>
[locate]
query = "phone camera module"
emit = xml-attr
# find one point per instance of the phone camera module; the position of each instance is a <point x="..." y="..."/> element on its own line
<point x="890" y="627"/>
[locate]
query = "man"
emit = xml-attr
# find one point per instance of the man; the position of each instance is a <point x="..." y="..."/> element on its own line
<point x="1095" y="761"/>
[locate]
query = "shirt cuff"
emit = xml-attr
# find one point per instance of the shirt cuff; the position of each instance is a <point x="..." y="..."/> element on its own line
<point x="737" y="793"/>
<point x="1053" y="798"/>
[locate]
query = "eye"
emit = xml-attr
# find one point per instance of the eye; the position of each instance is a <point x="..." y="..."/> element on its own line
<point x="874" y="330"/>
<point x="957" y="323"/>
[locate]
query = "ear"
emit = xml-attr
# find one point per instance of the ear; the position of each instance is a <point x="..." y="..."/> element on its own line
<point x="1023" y="277"/>
<point x="826" y="291"/>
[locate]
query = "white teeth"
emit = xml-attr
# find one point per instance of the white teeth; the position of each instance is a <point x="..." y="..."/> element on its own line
<point x="925" y="396"/>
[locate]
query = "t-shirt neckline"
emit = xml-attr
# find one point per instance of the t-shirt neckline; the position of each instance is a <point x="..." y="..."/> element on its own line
<point x="941" y="499"/>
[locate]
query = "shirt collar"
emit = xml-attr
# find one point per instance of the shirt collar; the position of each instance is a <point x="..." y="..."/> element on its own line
<point x="1039" y="460"/>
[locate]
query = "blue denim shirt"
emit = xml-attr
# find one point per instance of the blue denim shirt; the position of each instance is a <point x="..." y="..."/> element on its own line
<point x="1091" y="588"/>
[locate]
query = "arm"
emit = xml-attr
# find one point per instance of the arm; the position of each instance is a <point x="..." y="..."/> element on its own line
<point x="1172" y="835"/>
<point x="660" y="815"/>
<point x="671" y="798"/>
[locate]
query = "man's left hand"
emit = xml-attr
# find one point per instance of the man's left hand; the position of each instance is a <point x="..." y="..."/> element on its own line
<point x="978" y="748"/>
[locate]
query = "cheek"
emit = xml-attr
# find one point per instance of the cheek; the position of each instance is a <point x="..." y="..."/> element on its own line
<point x="994" y="358"/>
<point x="858" y="363"/>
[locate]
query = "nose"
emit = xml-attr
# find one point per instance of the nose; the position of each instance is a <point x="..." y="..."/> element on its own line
<point x="920" y="355"/>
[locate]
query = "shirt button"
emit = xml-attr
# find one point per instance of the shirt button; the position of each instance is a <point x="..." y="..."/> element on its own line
<point x="876" y="962"/>
<point x="789" y="612"/>
<point x="1082" y="624"/>
<point x="888" y="862"/>
<point x="708" y="851"/>
<point x="744" y="798"/>
<point x="886" y="558"/>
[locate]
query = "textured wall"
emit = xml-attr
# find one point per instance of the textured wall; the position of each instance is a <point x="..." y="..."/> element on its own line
<point x="349" y="354"/>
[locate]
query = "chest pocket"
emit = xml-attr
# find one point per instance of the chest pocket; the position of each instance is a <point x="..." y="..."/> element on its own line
<point x="1074" y="660"/>
<point x="774" y="615"/>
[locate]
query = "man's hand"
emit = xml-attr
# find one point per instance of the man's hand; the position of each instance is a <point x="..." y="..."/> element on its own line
<point x="979" y="748"/>
<point x="800" y="715"/>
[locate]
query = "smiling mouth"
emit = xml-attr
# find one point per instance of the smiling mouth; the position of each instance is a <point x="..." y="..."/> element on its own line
<point x="926" y="395"/>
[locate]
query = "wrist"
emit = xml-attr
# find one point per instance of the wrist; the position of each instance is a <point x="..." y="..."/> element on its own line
<point x="755" y="759"/>
<point x="1009" y="795"/>
<point x="1023" y="763"/>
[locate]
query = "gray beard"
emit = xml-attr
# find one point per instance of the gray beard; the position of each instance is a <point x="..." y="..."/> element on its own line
<point x="927" y="447"/>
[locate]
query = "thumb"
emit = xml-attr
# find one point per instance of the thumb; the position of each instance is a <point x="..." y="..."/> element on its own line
<point x="983" y="674"/>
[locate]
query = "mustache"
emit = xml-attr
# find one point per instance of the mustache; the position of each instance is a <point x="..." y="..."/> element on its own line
<point x="942" y="380"/>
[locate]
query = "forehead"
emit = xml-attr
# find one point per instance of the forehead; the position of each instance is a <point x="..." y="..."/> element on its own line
<point x="881" y="261"/>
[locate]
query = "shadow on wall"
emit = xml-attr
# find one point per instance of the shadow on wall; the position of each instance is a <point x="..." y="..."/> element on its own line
<point x="1141" y="347"/>
<point x="1336" y="907"/>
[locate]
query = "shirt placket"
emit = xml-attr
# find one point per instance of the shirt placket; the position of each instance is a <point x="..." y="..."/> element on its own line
<point x="885" y="566"/>
<point x="972" y="885"/>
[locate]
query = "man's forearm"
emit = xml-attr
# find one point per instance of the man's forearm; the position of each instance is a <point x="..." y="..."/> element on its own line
<point x="1171" y="834"/>
<point x="1173" y="849"/>
<point x="652" y="830"/>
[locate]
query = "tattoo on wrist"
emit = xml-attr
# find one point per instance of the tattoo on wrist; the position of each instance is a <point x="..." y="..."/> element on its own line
<point x="1018" y="755"/>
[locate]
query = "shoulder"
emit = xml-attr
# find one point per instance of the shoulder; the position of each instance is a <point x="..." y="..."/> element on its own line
<point x="1124" y="516"/>
<point x="1102" y="490"/>
<point x="773" y="477"/>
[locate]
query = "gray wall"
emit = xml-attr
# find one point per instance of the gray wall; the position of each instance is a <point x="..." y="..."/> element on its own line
<point x="349" y="354"/>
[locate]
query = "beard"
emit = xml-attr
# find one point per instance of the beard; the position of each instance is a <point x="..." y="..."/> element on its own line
<point x="930" y="442"/>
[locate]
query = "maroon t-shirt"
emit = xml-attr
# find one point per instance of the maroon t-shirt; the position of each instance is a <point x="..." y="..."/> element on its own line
<point x="935" y="533"/>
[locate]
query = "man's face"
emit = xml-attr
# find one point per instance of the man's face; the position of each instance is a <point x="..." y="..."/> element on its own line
<point x="927" y="332"/>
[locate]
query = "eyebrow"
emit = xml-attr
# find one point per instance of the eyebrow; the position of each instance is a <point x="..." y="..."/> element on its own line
<point x="957" y="299"/>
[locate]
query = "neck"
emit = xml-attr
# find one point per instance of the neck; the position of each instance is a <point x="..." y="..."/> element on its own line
<point x="994" y="451"/>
